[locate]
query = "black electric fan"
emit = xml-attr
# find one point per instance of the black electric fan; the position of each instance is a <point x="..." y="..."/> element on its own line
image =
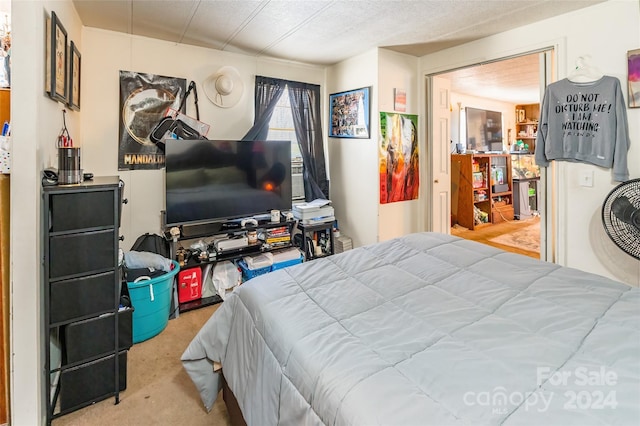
<point x="621" y="216"/>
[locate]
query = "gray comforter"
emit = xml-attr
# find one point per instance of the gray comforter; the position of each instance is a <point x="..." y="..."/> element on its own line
<point x="425" y="329"/>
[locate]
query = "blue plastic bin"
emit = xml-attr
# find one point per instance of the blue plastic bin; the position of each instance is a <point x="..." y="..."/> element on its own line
<point x="286" y="263"/>
<point x="151" y="299"/>
<point x="247" y="273"/>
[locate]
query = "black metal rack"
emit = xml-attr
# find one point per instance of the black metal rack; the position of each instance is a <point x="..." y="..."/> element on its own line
<point x="189" y="232"/>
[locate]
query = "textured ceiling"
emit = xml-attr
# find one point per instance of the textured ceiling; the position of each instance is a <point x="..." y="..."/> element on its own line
<point x="515" y="80"/>
<point x="321" y="32"/>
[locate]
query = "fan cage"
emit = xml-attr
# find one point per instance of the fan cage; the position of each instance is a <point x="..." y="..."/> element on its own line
<point x="624" y="235"/>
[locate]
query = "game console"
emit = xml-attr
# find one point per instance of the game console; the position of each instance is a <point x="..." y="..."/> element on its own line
<point x="234" y="243"/>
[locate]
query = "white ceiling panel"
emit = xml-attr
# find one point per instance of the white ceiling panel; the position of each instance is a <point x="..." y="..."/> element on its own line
<point x="515" y="80"/>
<point x="321" y="32"/>
<point x="277" y="21"/>
<point x="169" y="20"/>
<point x="215" y="24"/>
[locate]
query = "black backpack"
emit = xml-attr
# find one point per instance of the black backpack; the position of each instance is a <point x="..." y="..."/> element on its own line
<point x="152" y="243"/>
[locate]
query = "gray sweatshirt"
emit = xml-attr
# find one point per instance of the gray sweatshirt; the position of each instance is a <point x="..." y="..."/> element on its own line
<point x="584" y="122"/>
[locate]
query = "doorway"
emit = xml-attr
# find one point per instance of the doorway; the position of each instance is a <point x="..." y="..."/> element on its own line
<point x="508" y="87"/>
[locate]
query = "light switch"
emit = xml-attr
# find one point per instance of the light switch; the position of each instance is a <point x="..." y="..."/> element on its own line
<point x="586" y="178"/>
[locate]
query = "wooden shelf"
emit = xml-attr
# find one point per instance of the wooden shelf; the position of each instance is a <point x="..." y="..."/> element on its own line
<point x="527" y="124"/>
<point x="463" y="167"/>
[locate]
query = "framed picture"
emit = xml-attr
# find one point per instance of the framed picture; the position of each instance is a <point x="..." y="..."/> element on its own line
<point x="521" y="116"/>
<point x="350" y="114"/>
<point x="399" y="100"/>
<point x="58" y="60"/>
<point x="633" y="78"/>
<point x="74" y="77"/>
<point x="398" y="157"/>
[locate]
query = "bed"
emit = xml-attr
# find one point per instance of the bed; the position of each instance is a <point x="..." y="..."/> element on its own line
<point x="425" y="329"/>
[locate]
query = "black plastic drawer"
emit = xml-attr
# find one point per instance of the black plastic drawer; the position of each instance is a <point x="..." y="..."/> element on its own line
<point x="82" y="253"/>
<point x="92" y="381"/>
<point x="76" y="298"/>
<point x="94" y="337"/>
<point x="82" y="210"/>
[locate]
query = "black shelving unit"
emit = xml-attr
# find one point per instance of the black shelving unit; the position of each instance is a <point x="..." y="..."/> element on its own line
<point x="86" y="334"/>
<point x="209" y="231"/>
<point x="322" y="234"/>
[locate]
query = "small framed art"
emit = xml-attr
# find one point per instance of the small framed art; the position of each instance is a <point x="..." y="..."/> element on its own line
<point x="350" y="114"/>
<point x="399" y="100"/>
<point x="74" y="77"/>
<point x="58" y="60"/>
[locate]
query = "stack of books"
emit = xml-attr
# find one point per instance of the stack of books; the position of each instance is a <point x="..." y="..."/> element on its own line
<point x="277" y="237"/>
<point x="343" y="243"/>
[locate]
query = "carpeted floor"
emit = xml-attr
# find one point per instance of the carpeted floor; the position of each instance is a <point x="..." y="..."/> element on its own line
<point x="159" y="391"/>
<point x="527" y="238"/>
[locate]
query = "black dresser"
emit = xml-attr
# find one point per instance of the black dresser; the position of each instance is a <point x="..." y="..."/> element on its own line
<point x="86" y="331"/>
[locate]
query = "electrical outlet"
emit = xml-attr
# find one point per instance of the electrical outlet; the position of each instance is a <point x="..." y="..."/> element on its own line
<point x="586" y="178"/>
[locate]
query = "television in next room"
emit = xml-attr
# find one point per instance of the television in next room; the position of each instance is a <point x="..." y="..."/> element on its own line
<point x="213" y="180"/>
<point x="484" y="130"/>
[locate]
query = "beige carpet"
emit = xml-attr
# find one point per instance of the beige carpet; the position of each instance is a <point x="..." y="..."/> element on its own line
<point x="159" y="391"/>
<point x="527" y="238"/>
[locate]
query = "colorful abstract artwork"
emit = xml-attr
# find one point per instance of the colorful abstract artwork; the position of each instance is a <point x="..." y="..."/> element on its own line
<point x="398" y="157"/>
<point x="634" y="78"/>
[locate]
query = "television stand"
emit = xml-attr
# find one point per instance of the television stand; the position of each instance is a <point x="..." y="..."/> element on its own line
<point x="202" y="230"/>
<point x="231" y="253"/>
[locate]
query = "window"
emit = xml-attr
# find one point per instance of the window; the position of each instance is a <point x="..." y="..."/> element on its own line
<point x="281" y="128"/>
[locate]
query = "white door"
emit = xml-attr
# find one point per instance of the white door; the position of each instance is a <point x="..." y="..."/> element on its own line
<point x="439" y="155"/>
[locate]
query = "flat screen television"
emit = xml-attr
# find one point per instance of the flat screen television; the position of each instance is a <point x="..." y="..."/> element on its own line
<point x="214" y="180"/>
<point x="484" y="130"/>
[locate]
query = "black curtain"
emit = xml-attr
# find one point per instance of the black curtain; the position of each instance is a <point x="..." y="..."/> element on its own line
<point x="305" y="107"/>
<point x="267" y="94"/>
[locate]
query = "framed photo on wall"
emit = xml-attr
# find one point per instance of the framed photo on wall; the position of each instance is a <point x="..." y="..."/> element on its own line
<point x="74" y="77"/>
<point x="399" y="100"/>
<point x="57" y="60"/>
<point x="349" y="114"/>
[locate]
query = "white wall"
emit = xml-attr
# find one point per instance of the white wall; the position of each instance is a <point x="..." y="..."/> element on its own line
<point x="396" y="70"/>
<point x="355" y="184"/>
<point x="581" y="240"/>
<point x="354" y="176"/>
<point x="36" y="121"/>
<point x="106" y="53"/>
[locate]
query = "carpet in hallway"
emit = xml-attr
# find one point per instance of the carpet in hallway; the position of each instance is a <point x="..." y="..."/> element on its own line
<point x="527" y="238"/>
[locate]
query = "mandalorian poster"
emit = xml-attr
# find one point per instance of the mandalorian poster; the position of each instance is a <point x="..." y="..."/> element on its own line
<point x="144" y="100"/>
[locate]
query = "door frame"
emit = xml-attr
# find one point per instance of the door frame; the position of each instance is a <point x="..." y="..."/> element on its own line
<point x="548" y="193"/>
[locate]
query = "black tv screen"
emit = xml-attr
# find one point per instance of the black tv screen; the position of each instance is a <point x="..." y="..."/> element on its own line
<point x="213" y="180"/>
<point x="484" y="130"/>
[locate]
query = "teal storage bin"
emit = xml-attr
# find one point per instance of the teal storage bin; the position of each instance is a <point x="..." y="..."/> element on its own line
<point x="151" y="300"/>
